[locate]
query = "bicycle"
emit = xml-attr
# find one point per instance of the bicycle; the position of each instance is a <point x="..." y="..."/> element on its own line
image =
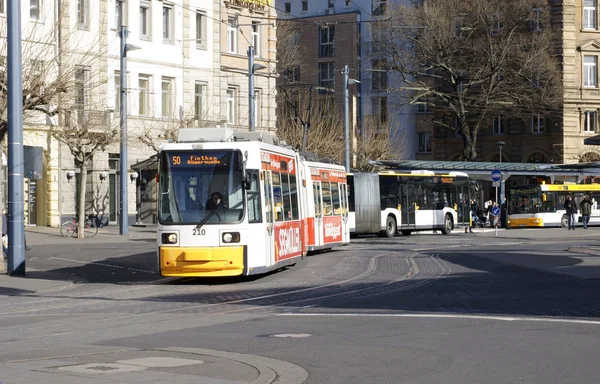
<point x="69" y="228"/>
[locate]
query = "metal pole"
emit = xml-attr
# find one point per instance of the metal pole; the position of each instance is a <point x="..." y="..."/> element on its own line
<point x="16" y="205"/>
<point x="346" y="72"/>
<point x="251" y="87"/>
<point x="123" y="218"/>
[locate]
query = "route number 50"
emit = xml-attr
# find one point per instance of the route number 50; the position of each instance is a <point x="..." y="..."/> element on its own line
<point x="176" y="160"/>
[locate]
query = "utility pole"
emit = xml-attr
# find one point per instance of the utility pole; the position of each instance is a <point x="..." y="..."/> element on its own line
<point x="251" y="111"/>
<point x="16" y="204"/>
<point x="346" y="72"/>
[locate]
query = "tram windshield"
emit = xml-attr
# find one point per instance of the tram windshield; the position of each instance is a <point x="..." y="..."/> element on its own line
<point x="201" y="186"/>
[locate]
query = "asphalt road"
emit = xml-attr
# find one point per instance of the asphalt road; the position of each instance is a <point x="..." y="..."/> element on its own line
<point x="516" y="307"/>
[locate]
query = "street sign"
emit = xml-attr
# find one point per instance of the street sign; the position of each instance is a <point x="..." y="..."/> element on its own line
<point x="495" y="183"/>
<point x="496" y="211"/>
<point x="496" y="175"/>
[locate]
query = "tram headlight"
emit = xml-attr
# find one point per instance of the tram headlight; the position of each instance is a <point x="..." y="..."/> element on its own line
<point x="231" y="237"/>
<point x="169" y="238"/>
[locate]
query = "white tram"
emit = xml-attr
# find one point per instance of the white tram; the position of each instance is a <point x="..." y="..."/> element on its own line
<point x="274" y="206"/>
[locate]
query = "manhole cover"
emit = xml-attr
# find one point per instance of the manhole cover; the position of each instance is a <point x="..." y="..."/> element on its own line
<point x="291" y="335"/>
<point x="103" y="368"/>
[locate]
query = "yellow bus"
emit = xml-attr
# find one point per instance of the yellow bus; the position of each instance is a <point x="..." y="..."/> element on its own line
<point x="542" y="205"/>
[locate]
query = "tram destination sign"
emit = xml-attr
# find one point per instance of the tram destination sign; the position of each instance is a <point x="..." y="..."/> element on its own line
<point x="184" y="159"/>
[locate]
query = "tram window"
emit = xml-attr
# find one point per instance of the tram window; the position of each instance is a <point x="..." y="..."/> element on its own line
<point x="350" y="187"/>
<point x="327" y="206"/>
<point x="294" y="197"/>
<point x="335" y="199"/>
<point x="285" y="189"/>
<point x="317" y="199"/>
<point x="277" y="196"/>
<point x="254" y="209"/>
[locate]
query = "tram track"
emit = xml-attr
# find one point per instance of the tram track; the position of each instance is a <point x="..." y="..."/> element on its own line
<point x="335" y="289"/>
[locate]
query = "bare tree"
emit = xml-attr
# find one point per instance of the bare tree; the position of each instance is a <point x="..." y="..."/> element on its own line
<point x="472" y="60"/>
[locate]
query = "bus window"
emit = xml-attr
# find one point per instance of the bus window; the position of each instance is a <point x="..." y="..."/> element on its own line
<point x="335" y="198"/>
<point x="350" y="188"/>
<point x="294" y="197"/>
<point x="327" y="207"/>
<point x="254" y="209"/>
<point x="388" y="190"/>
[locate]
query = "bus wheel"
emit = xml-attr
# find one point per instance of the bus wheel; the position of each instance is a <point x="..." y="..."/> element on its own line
<point x="564" y="221"/>
<point x="447" y="228"/>
<point x="406" y="232"/>
<point x="390" y="227"/>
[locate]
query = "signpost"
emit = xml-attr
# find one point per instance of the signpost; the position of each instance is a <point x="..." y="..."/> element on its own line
<point x="496" y="176"/>
<point x="496" y="213"/>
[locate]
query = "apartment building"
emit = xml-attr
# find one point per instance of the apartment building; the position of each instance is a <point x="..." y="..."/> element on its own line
<point x="560" y="137"/>
<point x="335" y="33"/>
<point x="187" y="66"/>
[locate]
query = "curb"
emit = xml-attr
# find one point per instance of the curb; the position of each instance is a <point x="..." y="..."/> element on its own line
<point x="584" y="250"/>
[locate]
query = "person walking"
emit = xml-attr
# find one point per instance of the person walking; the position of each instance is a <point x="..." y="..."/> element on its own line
<point x="586" y="210"/>
<point x="571" y="210"/>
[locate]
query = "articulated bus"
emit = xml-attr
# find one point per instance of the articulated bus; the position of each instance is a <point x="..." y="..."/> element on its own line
<point x="388" y="202"/>
<point x="270" y="205"/>
<point x="542" y="205"/>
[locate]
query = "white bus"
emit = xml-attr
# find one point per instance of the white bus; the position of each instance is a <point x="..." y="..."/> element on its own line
<point x="270" y="206"/>
<point x="542" y="205"/>
<point x="388" y="202"/>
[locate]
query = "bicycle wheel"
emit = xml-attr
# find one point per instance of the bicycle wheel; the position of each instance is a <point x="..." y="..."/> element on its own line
<point x="67" y="229"/>
<point x="89" y="230"/>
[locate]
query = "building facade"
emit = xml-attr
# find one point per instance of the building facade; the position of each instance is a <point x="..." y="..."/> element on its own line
<point x="187" y="67"/>
<point x="335" y="33"/>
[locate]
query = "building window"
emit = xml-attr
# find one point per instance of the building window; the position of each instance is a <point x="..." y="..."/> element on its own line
<point x="144" y="93"/>
<point x="287" y="7"/>
<point x="425" y="142"/>
<point x="2" y="6"/>
<point x="304" y="5"/>
<point x="231" y="110"/>
<point x="231" y="35"/>
<point x="34" y="9"/>
<point x="379" y="109"/>
<point x="537" y="123"/>
<point x="256" y="37"/>
<point x="83" y="11"/>
<point x="201" y="30"/>
<point x="292" y="75"/>
<point x="199" y="100"/>
<point x="82" y="76"/>
<point x="537" y="158"/>
<point x="422" y="107"/>
<point x="257" y="111"/>
<point x="145" y="17"/>
<point x="535" y="20"/>
<point x="168" y="23"/>
<point x="589" y="14"/>
<point x="117" y="79"/>
<point x="120" y="16"/>
<point x="327" y="75"/>
<point x="379" y="76"/>
<point x="590" y="71"/>
<point x="590" y="121"/>
<point x="499" y="125"/>
<point x="327" y="41"/>
<point x="167" y="96"/>
<point x="378" y="7"/>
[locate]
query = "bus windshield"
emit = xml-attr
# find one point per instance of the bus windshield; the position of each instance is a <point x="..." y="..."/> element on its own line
<point x="200" y="186"/>
<point x="530" y="200"/>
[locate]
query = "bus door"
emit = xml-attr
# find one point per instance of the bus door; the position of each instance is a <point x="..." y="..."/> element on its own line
<point x="318" y="203"/>
<point x="344" y="203"/>
<point x="269" y="219"/>
<point x="408" y="205"/>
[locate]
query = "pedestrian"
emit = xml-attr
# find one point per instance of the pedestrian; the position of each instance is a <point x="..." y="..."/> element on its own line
<point x="571" y="210"/>
<point x="586" y="210"/>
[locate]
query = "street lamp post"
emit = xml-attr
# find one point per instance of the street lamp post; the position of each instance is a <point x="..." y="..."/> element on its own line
<point x="500" y="145"/>
<point x="123" y="218"/>
<point x="347" y="82"/>
<point x="16" y="204"/>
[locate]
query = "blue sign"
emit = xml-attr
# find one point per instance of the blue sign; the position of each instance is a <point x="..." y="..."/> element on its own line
<point x="496" y="175"/>
<point x="496" y="211"/>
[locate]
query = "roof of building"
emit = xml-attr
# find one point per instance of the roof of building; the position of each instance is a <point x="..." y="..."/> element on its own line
<point x="484" y="168"/>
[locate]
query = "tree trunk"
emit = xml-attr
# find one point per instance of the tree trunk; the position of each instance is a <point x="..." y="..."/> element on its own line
<point x="81" y="204"/>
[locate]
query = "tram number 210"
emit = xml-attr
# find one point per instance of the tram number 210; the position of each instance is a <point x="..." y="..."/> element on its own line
<point x="199" y="231"/>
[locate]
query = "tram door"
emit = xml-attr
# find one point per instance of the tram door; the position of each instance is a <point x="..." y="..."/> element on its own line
<point x="409" y="205"/>
<point x="318" y="202"/>
<point x="344" y="203"/>
<point x="269" y="218"/>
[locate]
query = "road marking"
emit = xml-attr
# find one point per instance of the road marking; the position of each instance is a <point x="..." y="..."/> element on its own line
<point x="448" y="316"/>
